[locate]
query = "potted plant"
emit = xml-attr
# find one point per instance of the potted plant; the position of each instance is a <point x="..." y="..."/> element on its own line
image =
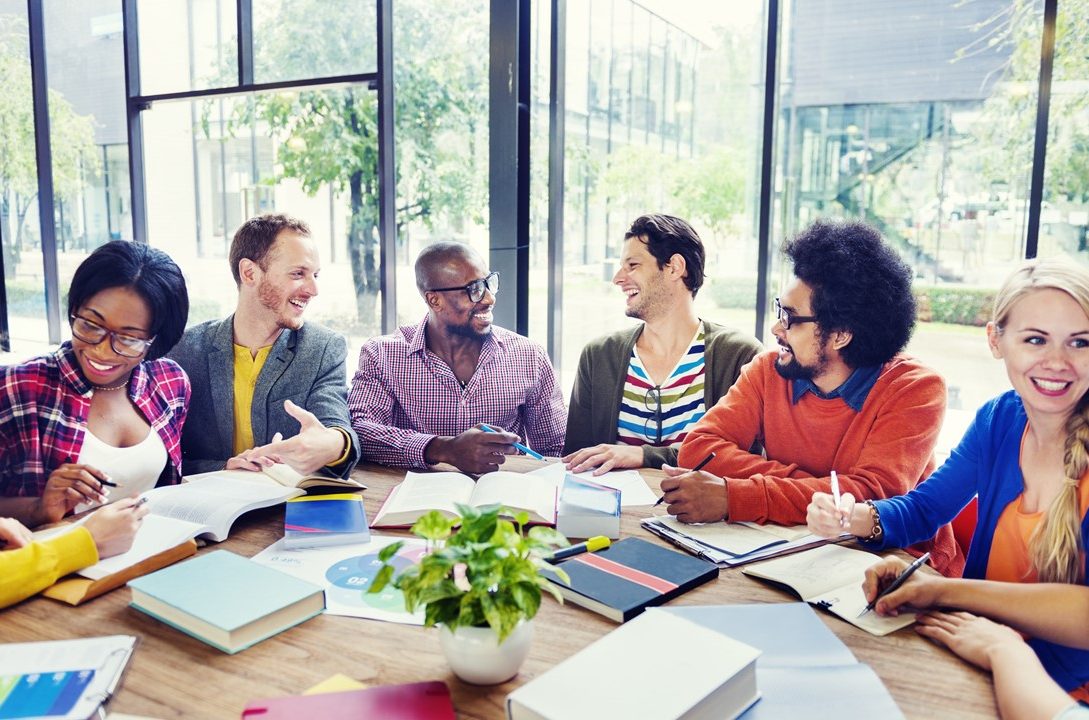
<point x="481" y="584"/>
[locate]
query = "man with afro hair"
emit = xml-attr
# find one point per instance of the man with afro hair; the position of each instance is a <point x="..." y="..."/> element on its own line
<point x="837" y="395"/>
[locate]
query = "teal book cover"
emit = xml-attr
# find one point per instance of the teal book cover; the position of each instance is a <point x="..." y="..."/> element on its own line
<point x="226" y="600"/>
<point x="324" y="520"/>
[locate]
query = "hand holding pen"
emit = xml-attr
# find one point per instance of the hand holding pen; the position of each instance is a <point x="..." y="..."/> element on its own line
<point x="68" y="486"/>
<point x="872" y="583"/>
<point x="699" y="466"/>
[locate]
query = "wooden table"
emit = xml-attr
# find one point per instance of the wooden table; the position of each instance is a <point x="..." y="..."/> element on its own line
<point x="172" y="675"/>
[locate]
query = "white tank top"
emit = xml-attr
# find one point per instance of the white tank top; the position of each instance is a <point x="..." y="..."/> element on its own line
<point x="134" y="469"/>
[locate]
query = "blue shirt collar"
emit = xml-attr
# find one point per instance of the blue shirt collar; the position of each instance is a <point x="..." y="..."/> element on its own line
<point x="853" y="391"/>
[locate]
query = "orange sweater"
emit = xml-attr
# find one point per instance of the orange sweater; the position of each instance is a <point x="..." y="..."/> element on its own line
<point x="884" y="450"/>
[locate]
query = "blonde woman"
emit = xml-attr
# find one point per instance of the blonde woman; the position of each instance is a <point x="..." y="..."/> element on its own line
<point x="1025" y="456"/>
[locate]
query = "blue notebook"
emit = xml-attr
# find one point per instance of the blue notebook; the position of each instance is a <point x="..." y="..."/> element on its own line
<point x="804" y="669"/>
<point x="226" y="600"/>
<point x="323" y="520"/>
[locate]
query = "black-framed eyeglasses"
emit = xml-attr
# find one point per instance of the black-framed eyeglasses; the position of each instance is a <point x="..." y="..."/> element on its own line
<point x="653" y="395"/>
<point x="122" y="343"/>
<point x="475" y="289"/>
<point x="787" y="319"/>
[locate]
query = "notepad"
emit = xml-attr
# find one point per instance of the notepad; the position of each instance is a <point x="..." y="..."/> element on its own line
<point x="830" y="577"/>
<point x="728" y="544"/>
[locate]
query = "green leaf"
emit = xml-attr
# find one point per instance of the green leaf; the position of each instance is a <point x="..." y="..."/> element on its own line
<point x="381" y="579"/>
<point x="390" y="550"/>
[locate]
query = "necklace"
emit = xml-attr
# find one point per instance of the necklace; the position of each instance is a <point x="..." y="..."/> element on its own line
<point x="108" y="388"/>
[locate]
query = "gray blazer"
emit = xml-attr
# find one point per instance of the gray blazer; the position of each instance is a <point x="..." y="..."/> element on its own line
<point x="305" y="366"/>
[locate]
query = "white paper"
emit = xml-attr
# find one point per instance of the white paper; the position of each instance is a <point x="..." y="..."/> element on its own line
<point x="156" y="534"/>
<point x="346" y="572"/>
<point x="633" y="488"/>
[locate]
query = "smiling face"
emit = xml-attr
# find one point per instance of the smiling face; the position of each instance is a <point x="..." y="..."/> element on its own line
<point x="1045" y="345"/>
<point x="803" y="353"/>
<point x="455" y="312"/>
<point x="123" y="311"/>
<point x="289" y="280"/>
<point x="641" y="281"/>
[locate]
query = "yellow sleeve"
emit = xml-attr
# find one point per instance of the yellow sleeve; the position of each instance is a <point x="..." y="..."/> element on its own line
<point x="26" y="570"/>
<point x="347" y="447"/>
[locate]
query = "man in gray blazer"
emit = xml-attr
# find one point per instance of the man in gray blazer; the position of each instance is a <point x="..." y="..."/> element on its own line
<point x="262" y="375"/>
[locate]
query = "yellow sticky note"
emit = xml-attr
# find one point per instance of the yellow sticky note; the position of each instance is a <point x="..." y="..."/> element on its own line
<point x="335" y="683"/>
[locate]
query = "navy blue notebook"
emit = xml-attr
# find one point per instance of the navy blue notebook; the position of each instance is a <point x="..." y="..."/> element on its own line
<point x="630" y="576"/>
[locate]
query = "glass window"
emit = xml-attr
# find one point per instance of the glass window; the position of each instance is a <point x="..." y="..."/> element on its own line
<point x="190" y="45"/>
<point x="294" y="39"/>
<point x="24" y="276"/>
<point x="919" y="121"/>
<point x="679" y="135"/>
<point x="1064" y="216"/>
<point x="440" y="69"/>
<point x="212" y="163"/>
<point x="85" y="59"/>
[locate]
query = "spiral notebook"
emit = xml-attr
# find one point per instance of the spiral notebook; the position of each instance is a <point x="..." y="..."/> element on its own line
<point x="61" y="679"/>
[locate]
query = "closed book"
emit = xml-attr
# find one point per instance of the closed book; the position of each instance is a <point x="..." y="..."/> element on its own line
<point x="413" y="701"/>
<point x="657" y="667"/>
<point x="630" y="576"/>
<point x="226" y="600"/>
<point x="323" y="520"/>
<point x="588" y="509"/>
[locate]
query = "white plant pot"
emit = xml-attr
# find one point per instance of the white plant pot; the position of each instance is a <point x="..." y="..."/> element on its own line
<point x="476" y="656"/>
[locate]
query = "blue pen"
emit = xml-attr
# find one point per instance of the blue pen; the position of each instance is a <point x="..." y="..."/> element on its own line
<point x="520" y="446"/>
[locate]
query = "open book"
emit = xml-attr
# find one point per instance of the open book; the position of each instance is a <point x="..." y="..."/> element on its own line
<point x="830" y="577"/>
<point x="420" y="493"/>
<point x="213" y="501"/>
<point x="735" y="543"/>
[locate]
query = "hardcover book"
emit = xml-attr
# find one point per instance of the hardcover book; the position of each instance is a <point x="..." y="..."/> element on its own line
<point x="630" y="576"/>
<point x="226" y="600"/>
<point x="412" y="701"/>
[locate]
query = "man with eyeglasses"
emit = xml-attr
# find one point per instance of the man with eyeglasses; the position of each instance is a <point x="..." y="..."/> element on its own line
<point x="424" y="394"/>
<point x="837" y="396"/>
<point x="267" y="386"/>
<point x="640" y="390"/>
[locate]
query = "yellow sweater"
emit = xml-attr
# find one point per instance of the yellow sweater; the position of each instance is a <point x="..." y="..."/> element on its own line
<point x="26" y="570"/>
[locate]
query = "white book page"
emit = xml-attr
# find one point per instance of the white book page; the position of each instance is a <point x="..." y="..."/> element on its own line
<point x="848" y="602"/>
<point x="157" y="533"/>
<point x="815" y="572"/>
<point x="522" y="491"/>
<point x="733" y="538"/>
<point x="421" y="492"/>
<point x="215" y="503"/>
<point x="633" y="488"/>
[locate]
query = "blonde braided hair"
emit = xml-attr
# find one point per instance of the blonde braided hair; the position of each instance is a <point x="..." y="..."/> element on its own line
<point x="1055" y="546"/>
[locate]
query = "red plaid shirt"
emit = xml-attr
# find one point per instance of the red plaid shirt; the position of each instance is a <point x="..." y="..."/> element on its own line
<point x="43" y="415"/>
<point x="403" y="395"/>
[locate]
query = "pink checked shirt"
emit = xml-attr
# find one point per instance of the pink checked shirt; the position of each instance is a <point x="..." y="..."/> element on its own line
<point x="403" y="395"/>
<point x="44" y="404"/>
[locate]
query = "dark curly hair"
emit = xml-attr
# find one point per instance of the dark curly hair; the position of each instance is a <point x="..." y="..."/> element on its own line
<point x="859" y="284"/>
<point x="666" y="236"/>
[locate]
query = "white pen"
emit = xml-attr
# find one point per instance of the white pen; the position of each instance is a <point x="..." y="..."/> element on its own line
<point x="835" y="494"/>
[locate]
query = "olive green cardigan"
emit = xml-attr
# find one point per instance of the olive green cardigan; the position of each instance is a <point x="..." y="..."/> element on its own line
<point x="595" y="400"/>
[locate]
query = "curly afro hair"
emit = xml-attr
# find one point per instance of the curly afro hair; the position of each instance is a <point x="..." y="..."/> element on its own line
<point x="860" y="285"/>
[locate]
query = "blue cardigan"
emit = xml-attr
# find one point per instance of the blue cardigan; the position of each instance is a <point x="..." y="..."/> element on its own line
<point x="985" y="463"/>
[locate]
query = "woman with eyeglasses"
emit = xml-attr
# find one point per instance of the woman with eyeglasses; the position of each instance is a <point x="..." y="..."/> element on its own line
<point x="99" y="419"/>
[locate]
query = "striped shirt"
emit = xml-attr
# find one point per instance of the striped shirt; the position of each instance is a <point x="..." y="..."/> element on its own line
<point x="661" y="415"/>
<point x="403" y="395"/>
<point x="44" y="404"/>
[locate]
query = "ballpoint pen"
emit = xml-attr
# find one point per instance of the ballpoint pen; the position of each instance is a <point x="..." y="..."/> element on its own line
<point x="835" y="496"/>
<point x="900" y="580"/>
<point x="520" y="446"/>
<point x="702" y="463"/>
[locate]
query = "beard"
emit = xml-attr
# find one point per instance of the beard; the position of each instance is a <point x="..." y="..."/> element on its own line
<point x="272" y="300"/>
<point x="651" y="298"/>
<point x="466" y="329"/>
<point x="794" y="370"/>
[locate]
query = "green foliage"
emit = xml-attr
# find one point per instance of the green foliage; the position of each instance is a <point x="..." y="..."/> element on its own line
<point x="954" y="305"/>
<point x="487" y="573"/>
<point x="731" y="292"/>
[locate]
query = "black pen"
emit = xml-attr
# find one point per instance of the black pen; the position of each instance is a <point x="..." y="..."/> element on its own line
<point x="107" y="483"/>
<point x="709" y="458"/>
<point x="900" y="580"/>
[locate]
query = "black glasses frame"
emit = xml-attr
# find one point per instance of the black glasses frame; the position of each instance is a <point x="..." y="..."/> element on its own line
<point x="787" y="319"/>
<point x="656" y="393"/>
<point x="113" y="335"/>
<point x="475" y="289"/>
